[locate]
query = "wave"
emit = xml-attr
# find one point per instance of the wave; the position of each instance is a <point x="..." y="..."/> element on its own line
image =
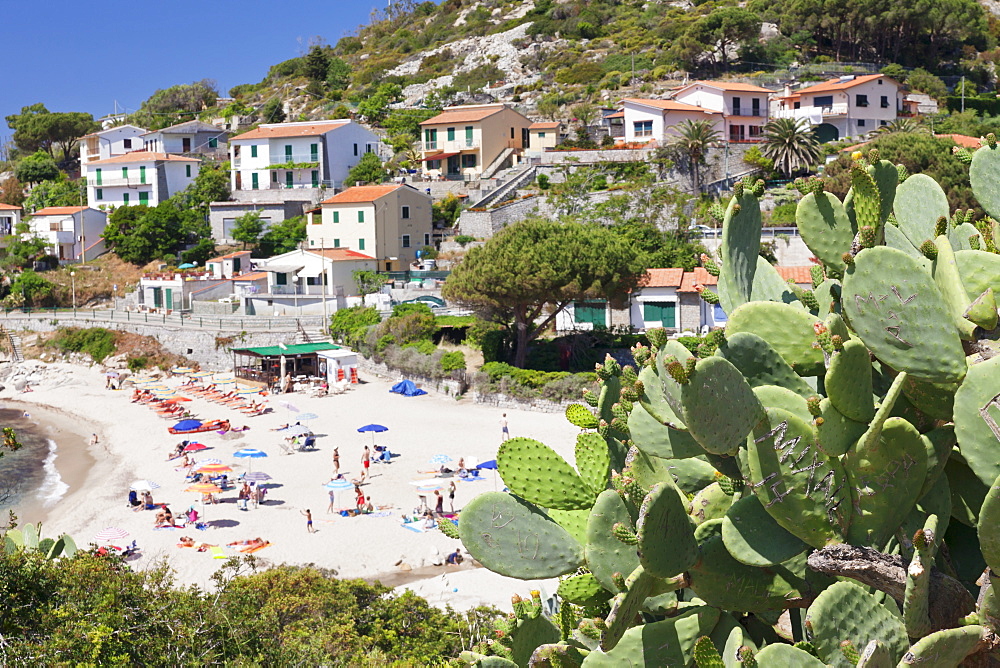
<point x="53" y="487"/>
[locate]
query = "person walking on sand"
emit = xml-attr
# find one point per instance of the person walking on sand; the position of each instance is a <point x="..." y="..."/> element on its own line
<point x="504" y="431"/>
<point x="336" y="462"/>
<point x="309" y="520"/>
<point x="438" y="503"/>
<point x="366" y="461"/>
<point x="451" y="495"/>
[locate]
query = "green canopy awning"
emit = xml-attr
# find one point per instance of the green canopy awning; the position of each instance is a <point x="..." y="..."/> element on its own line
<point x="288" y="350"/>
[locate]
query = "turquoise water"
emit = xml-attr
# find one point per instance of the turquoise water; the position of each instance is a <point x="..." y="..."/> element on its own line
<point x="28" y="476"/>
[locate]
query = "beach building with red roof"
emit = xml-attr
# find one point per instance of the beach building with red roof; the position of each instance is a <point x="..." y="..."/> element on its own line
<point x="848" y="106"/>
<point x="743" y="106"/>
<point x="308" y="282"/>
<point x="473" y="141"/>
<point x="72" y="233"/>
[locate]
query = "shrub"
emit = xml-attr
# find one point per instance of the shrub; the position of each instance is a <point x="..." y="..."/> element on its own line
<point x="399" y="310"/>
<point x="95" y="341"/>
<point x="138" y="363"/>
<point x="463" y="239"/>
<point x="411" y="327"/>
<point x="543" y="181"/>
<point x="425" y="347"/>
<point x="350" y="324"/>
<point x="452" y="361"/>
<point x="783" y="215"/>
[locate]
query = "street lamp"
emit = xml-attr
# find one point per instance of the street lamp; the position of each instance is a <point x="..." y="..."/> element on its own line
<point x="72" y="278"/>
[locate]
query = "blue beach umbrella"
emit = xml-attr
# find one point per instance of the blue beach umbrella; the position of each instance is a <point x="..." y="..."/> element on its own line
<point x="339" y="485"/>
<point x="251" y="454"/>
<point x="374" y="429"/>
<point x="438" y="460"/>
<point x="187" y="425"/>
<point x="491" y="464"/>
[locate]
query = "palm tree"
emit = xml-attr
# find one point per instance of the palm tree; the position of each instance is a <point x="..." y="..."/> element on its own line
<point x="791" y="144"/>
<point x="903" y="125"/>
<point x="692" y="143"/>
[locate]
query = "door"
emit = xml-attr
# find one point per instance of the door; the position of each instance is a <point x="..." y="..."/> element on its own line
<point x="289" y="179"/>
<point x="453" y="165"/>
<point x="168" y="301"/>
<point x="826" y="132"/>
<point x="157" y="298"/>
<point x="98" y="176"/>
<point x="186" y="145"/>
<point x="142" y="176"/>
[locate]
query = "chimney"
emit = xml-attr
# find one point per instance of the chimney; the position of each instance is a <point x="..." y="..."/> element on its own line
<point x="788" y="90"/>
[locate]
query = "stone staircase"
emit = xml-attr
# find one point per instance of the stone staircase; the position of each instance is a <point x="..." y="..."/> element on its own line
<point x="497" y="164"/>
<point x="515" y="178"/>
<point x="311" y="335"/>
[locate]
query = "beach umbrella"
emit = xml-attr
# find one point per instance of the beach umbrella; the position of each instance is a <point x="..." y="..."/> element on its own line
<point x="438" y="460"/>
<point x="144" y="486"/>
<point x="186" y="265"/>
<point x="296" y="430"/>
<point x="491" y="464"/>
<point x="214" y="468"/>
<point x="339" y="485"/>
<point x="248" y="390"/>
<point x="251" y="454"/>
<point x="111" y="533"/>
<point x="112" y="374"/>
<point x="306" y="416"/>
<point x="374" y="429"/>
<point x="204" y="488"/>
<point x="181" y="370"/>
<point x="195" y="447"/>
<point x="187" y="425"/>
<point x="289" y="406"/>
<point x="201" y="374"/>
<point x="206" y="462"/>
<point x="256" y="476"/>
<point x="175" y="400"/>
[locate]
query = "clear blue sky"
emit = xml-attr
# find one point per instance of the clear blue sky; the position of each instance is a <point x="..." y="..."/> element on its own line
<point x="82" y="56"/>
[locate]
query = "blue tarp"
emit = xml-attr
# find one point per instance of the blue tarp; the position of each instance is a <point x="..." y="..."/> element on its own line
<point x="407" y="389"/>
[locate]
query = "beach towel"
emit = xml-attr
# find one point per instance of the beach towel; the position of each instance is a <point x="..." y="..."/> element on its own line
<point x="255" y="548"/>
<point x="412" y="527"/>
<point x="217" y="552"/>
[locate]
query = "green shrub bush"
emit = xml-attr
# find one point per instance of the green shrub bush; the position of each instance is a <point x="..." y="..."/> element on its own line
<point x="452" y="361"/>
<point x="351" y="324"/>
<point x="95" y="341"/>
<point x="463" y="239"/>
<point x="137" y="363"/>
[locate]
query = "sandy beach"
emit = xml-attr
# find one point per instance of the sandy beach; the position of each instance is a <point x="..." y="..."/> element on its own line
<point x="133" y="444"/>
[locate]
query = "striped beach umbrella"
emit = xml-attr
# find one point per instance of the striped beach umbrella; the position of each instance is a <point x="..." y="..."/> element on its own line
<point x="256" y="476"/>
<point x="204" y="488"/>
<point x="144" y="486"/>
<point x="438" y="460"/>
<point x="251" y="454"/>
<point x="200" y="374"/>
<point x="206" y="462"/>
<point x="214" y="468"/>
<point x="247" y="390"/>
<point x="111" y="533"/>
<point x="182" y="370"/>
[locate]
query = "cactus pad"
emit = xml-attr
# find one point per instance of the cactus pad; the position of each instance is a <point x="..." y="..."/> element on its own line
<point x="761" y="364"/>
<point x="580" y="416"/>
<point x="825" y="228"/>
<point x="512" y="537"/>
<point x="949" y="282"/>
<point x="944" y="648"/>
<point x="977" y="415"/>
<point x="606" y="555"/>
<point x="710" y="503"/>
<point x="666" y="533"/>
<point x="593" y="461"/>
<point x="583" y="589"/>
<point x="805" y="491"/>
<point x="787" y="656"/>
<point x="849" y="382"/>
<point x="989" y="527"/>
<point x="979" y="270"/>
<point x="886" y="479"/>
<point x="535" y="472"/>
<point x="845" y="611"/>
<point x="753" y="538"/>
<point x="896" y="309"/>
<point x="739" y="251"/>
<point x="788" y="329"/>
<point x="773" y="396"/>
<point x="644" y="645"/>
<point x="920" y="201"/>
<point x="836" y="432"/>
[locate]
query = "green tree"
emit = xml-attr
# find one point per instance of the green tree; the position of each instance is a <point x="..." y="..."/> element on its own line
<point x="175" y="104"/>
<point x="691" y="145"/>
<point x="23" y="247"/>
<point x="200" y="253"/>
<point x="60" y="192"/>
<point x="38" y="129"/>
<point x="531" y="270"/>
<point x="34" y="287"/>
<point x="273" y="111"/>
<point x="903" y="125"/>
<point x="338" y="74"/>
<point x="724" y="28"/>
<point x="248" y="228"/>
<point x="548" y="108"/>
<point x="894" y="71"/>
<point x="36" y="168"/>
<point x="140" y="234"/>
<point x="368" y="170"/>
<point x="317" y="62"/>
<point x="210" y="185"/>
<point x="374" y="108"/>
<point x="923" y="81"/>
<point x="368" y="282"/>
<point x="791" y="144"/>
<point x="11" y="191"/>
<point x="282" y="237"/>
<point x="659" y="248"/>
<point x="447" y="210"/>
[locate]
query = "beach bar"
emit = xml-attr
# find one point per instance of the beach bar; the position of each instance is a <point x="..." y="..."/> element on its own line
<point x="269" y="364"/>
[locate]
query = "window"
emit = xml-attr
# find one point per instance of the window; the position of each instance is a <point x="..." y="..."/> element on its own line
<point x="512" y="133"/>
<point x="144" y="199"/>
<point x="97" y="176"/>
<point x="361" y="244"/>
<point x="427" y="239"/>
<point x="433" y="164"/>
<point x="643" y="128"/>
<point x="187" y="171"/>
<point x="469" y="161"/>
<point x="336" y="243"/>
<point x="541" y="135"/>
<point x="312" y="242"/>
<point x="336" y="216"/>
<point x="253" y="151"/>
<point x="592" y="312"/>
<point x="754" y="131"/>
<point x="289" y="179"/>
<point x="125" y="199"/>
<point x="280" y="279"/>
<point x="664" y="313"/>
<point x="404" y="212"/>
<point x="369" y="149"/>
<point x="288" y="152"/>
<point x="861" y="123"/>
<point x="274" y="177"/>
<point x="883" y="123"/>
<point x="315" y="178"/>
<point x="755" y="106"/>
<point x="355" y="149"/>
<point x="737" y="107"/>
<point x="861" y="100"/>
<point x="823" y="101"/>
<point x="213" y="142"/>
<point x="879" y="82"/>
<point x="361" y="216"/>
<point x="797" y="105"/>
<point x="254" y="181"/>
<point x="451" y="134"/>
<point x="99" y="194"/>
<point x="142" y="174"/>
<point x="314" y="152"/>
<point x="884" y="103"/>
<point x="406" y="241"/>
<point x="125" y="173"/>
<point x="127" y="143"/>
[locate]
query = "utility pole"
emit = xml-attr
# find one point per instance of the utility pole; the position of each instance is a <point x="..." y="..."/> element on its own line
<point x="963" y="93"/>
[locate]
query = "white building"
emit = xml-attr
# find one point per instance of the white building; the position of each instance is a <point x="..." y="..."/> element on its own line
<point x="228" y="266"/>
<point x="109" y="143"/>
<point x="140" y="177"/>
<point x="654" y="120"/>
<point x="655" y="302"/>
<point x="308" y="282"/>
<point x="191" y="138"/>
<point x="850" y="106"/>
<point x="10" y="216"/>
<point x="73" y="233"/>
<point x="294" y="156"/>
<point x="744" y="107"/>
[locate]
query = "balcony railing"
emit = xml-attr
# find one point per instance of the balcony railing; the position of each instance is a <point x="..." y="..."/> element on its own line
<point x="839" y="109"/>
<point x="276" y="160"/>
<point x="111" y="181"/>
<point x="449" y="146"/>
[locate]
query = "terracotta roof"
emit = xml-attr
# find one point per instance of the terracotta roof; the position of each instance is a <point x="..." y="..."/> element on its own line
<point x="465" y="115"/>
<point x="340" y="254"/>
<point x="59" y="210"/>
<point x="189" y="127"/>
<point x="837" y="84"/>
<point x="697" y="277"/>
<point x="662" y="278"/>
<point x="670" y="105"/>
<point x="252" y="276"/>
<point x="357" y="194"/>
<point x="962" y="140"/>
<point x="143" y="156"/>
<point x="731" y="86"/>
<point x="9" y="207"/>
<point x="226" y="257"/>
<point x="617" y="114"/>
<point x="544" y="126"/>
<point x="277" y="130"/>
<point x="797" y="274"/>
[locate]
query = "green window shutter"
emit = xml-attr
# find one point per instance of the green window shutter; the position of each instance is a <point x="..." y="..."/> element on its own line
<point x="651" y="312"/>
<point x="254" y="181"/>
<point x="213" y="142"/>
<point x="468" y="134"/>
<point x="315" y="178"/>
<point x="288" y="152"/>
<point x="125" y="172"/>
<point x="144" y="198"/>
<point x="336" y="216"/>
<point x="336" y="243"/>
<point x="314" y="152"/>
<point x="361" y="216"/>
<point x="281" y="279"/>
<point x="289" y="179"/>
<point x="100" y="194"/>
<point x="541" y="135"/>
<point x="663" y="312"/>
<point x="253" y="151"/>
<point x="187" y="171"/>
<point x="125" y="199"/>
<point x="98" y="176"/>
<point x="451" y="134"/>
<point x="670" y="315"/>
<point x="142" y="174"/>
<point x="361" y="244"/>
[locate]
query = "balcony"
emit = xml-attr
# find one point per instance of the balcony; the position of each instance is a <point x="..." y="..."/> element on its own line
<point x="449" y="146"/>
<point x="839" y="109"/>
<point x="110" y="182"/>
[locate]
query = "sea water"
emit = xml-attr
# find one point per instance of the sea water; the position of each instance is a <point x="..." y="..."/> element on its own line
<point x="29" y="476"/>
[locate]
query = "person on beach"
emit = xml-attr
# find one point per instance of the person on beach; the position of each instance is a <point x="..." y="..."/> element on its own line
<point x="241" y="499"/>
<point x="455" y="558"/>
<point x="451" y="495"/>
<point x="438" y="503"/>
<point x="504" y="431"/>
<point x="93" y="440"/>
<point x="333" y="501"/>
<point x="309" y="520"/>
<point x="366" y="461"/>
<point x="147" y="500"/>
<point x="336" y="463"/>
